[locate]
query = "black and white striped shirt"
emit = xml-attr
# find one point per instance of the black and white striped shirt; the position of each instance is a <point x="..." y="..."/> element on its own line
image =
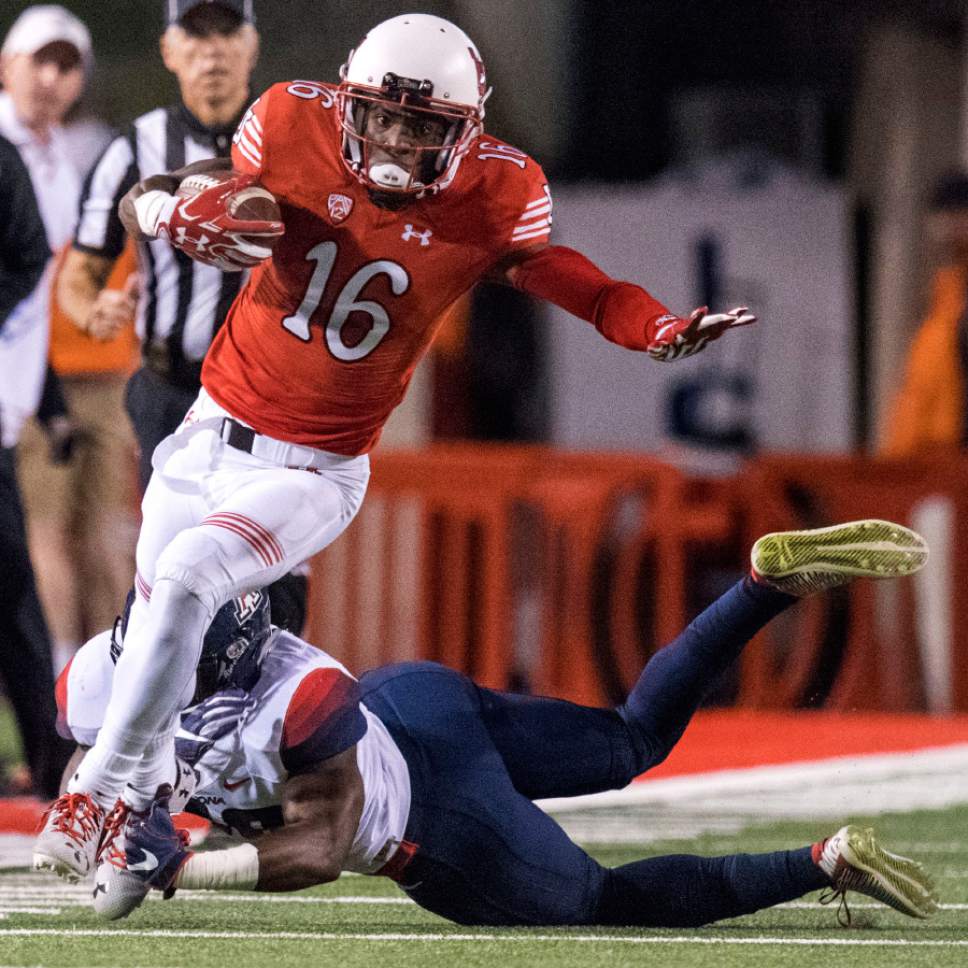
<point x="182" y="302"/>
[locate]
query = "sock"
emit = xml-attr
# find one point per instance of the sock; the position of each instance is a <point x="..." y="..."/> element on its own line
<point x="687" y="891"/>
<point x="157" y="766"/>
<point x="102" y="774"/>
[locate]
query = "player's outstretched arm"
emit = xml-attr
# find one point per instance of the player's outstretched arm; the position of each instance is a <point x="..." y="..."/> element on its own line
<point x="622" y="312"/>
<point x="321" y="810"/>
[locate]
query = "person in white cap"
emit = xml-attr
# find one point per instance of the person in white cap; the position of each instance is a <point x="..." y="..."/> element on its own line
<point x="78" y="497"/>
<point x="43" y="61"/>
<point x="42" y="67"/>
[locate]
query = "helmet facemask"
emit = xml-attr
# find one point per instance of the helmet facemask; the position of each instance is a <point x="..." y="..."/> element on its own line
<point x="399" y="140"/>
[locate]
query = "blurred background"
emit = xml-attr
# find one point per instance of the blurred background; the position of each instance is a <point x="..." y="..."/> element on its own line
<point x="852" y="107"/>
<point x="546" y="508"/>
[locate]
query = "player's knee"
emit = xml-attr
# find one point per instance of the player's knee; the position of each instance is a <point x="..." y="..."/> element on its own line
<point x="178" y="615"/>
<point x="647" y="749"/>
<point x="195" y="564"/>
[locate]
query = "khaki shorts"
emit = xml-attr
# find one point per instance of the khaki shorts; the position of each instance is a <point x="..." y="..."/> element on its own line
<point x="82" y="516"/>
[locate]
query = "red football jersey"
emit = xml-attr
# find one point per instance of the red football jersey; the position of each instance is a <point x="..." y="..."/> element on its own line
<point x="321" y="343"/>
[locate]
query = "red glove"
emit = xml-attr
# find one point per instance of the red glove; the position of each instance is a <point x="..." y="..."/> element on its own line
<point x="675" y="337"/>
<point x="202" y="228"/>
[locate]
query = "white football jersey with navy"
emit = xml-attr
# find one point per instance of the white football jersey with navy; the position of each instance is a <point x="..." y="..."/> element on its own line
<point x="244" y="745"/>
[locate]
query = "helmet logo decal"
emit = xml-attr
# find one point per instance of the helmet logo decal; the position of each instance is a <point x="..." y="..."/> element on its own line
<point x="247" y="605"/>
<point x="339" y="207"/>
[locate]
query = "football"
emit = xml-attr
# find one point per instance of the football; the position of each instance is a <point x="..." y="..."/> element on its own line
<point x="252" y="202"/>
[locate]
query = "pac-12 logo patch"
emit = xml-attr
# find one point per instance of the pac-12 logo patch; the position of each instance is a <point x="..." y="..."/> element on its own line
<point x="340" y="207"/>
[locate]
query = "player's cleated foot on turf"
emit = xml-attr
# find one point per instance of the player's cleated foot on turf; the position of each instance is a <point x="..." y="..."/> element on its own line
<point x="140" y="850"/>
<point x="803" y="562"/>
<point x="854" y="861"/>
<point x="69" y="836"/>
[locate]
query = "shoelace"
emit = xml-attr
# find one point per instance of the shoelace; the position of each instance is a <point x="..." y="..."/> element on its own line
<point x="109" y="849"/>
<point x="831" y="894"/>
<point x="76" y="816"/>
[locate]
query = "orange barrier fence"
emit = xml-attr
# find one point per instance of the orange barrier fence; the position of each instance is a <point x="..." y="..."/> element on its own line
<point x="561" y="573"/>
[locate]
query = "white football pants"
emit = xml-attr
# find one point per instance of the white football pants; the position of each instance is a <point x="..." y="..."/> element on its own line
<point x="217" y="522"/>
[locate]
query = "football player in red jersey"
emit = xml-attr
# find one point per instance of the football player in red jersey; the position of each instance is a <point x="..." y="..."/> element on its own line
<point x="394" y="203"/>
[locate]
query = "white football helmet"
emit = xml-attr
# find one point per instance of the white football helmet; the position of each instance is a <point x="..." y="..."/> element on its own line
<point x="422" y="77"/>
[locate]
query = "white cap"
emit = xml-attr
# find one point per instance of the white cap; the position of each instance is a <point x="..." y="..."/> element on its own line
<point x="44" y="24"/>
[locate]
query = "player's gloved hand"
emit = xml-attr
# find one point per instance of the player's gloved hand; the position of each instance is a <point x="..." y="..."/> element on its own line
<point x="202" y="228"/>
<point x="677" y="337"/>
<point x="206" y="723"/>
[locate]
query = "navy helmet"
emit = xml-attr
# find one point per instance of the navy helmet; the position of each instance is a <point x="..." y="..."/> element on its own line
<point x="231" y="649"/>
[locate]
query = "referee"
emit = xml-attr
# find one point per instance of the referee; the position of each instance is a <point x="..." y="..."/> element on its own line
<point x="25" y="659"/>
<point x="211" y="48"/>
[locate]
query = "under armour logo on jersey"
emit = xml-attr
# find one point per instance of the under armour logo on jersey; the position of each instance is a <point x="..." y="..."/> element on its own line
<point x="340" y="207"/>
<point x="409" y="232"/>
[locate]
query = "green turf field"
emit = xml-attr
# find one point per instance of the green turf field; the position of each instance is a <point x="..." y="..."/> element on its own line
<point x="362" y="921"/>
<point x="11" y="749"/>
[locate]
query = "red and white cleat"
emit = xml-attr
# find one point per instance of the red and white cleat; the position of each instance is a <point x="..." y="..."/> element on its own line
<point x="68" y="840"/>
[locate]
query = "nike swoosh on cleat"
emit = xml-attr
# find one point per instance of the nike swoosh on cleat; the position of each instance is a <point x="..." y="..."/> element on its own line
<point x="148" y="864"/>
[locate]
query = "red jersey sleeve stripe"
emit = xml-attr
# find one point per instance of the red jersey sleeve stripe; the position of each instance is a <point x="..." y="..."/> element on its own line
<point x="247" y="152"/>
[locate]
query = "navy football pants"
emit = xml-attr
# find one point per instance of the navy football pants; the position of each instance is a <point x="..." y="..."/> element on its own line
<point x="477" y="758"/>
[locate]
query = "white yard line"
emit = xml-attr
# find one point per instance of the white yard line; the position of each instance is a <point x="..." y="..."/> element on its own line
<point x="102" y="935"/>
<point x="728" y="801"/>
<point x="14" y="899"/>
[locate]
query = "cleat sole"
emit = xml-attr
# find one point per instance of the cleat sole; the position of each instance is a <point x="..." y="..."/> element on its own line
<point x="804" y="561"/>
<point x="58" y="867"/>
<point x="899" y="882"/>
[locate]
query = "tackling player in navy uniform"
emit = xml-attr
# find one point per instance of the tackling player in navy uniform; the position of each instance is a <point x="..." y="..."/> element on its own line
<point x="416" y="773"/>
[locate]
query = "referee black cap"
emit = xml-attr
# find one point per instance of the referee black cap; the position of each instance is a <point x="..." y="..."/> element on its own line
<point x="176" y="9"/>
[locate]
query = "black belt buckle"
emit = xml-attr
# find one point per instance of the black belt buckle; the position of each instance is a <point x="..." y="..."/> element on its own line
<point x="236" y="435"/>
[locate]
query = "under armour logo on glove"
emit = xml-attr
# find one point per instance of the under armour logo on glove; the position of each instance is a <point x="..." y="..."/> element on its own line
<point x="676" y="337"/>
